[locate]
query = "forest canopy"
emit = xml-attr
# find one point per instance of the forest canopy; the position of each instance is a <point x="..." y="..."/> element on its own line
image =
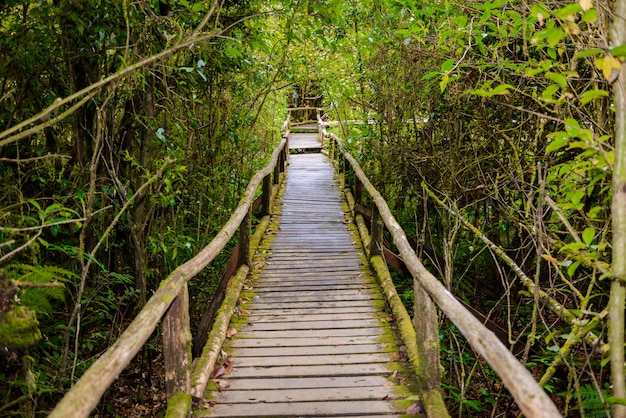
<point x="494" y="130"/>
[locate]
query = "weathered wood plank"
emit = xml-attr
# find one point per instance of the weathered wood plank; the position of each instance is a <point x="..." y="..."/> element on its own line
<point x="258" y="304"/>
<point x="316" y="350"/>
<point x="322" y="360"/>
<point x="324" y="382"/>
<point x="308" y="325"/>
<point x="308" y="395"/>
<point x="318" y="318"/>
<point x="369" y="369"/>
<point x="315" y="298"/>
<point x="335" y="341"/>
<point x="319" y="333"/>
<point x="305" y="313"/>
<point x="321" y="284"/>
<point x="336" y="408"/>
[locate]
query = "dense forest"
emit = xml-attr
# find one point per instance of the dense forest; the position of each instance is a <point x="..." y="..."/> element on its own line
<point x="495" y="131"/>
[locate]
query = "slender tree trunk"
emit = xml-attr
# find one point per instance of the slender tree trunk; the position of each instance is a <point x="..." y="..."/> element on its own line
<point x="618" y="209"/>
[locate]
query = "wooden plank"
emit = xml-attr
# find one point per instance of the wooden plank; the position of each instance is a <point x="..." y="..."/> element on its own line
<point x="352" y="296"/>
<point x="370" y="369"/>
<point x="270" y="276"/>
<point x="258" y="304"/>
<point x="286" y="284"/>
<point x="297" y="317"/>
<point x="360" y="359"/>
<point x="300" y="395"/>
<point x="324" y="382"/>
<point x="316" y="350"/>
<point x="308" y="325"/>
<point x="306" y="312"/>
<point x="336" y="341"/>
<point x="358" y="408"/>
<point x="325" y="333"/>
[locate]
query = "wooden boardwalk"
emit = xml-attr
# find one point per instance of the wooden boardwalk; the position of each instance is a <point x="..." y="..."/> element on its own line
<point x="317" y="341"/>
<point x="303" y="139"/>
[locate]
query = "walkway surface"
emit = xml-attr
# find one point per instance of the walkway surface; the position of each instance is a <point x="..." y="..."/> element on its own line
<point x="317" y="341"/>
<point x="301" y="140"/>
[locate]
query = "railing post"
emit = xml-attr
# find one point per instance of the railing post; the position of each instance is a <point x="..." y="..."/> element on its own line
<point x="425" y="322"/>
<point x="276" y="175"/>
<point x="282" y="159"/>
<point x="267" y="195"/>
<point x="376" y="243"/>
<point x="244" y="239"/>
<point x="177" y="345"/>
<point x="358" y="192"/>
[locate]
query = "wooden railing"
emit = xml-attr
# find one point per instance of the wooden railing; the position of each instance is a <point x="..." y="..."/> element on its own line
<point x="530" y="397"/>
<point x="170" y="303"/>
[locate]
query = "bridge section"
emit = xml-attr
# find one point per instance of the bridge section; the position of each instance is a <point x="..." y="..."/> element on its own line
<point x="317" y="341"/>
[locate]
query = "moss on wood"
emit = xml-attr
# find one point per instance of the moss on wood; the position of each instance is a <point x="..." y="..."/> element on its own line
<point x="178" y="405"/>
<point x="19" y="329"/>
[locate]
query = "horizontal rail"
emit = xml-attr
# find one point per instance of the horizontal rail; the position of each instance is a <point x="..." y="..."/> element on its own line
<point x="84" y="396"/>
<point x="530" y="397"/>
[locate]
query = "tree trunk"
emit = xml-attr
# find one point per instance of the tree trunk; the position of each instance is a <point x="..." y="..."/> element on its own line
<point x="618" y="210"/>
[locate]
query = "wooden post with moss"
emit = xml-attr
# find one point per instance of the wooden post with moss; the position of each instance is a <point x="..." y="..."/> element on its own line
<point x="177" y="345"/>
<point x="425" y="322"/>
<point x="376" y="244"/>
<point x="266" y="198"/>
<point x="244" y="240"/>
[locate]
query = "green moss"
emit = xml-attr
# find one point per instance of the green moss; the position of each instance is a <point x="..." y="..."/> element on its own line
<point x="178" y="405"/>
<point x="19" y="329"/>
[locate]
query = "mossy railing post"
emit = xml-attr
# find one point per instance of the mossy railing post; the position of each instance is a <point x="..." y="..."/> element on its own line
<point x="244" y="240"/>
<point x="425" y="322"/>
<point x="177" y="345"/>
<point x="276" y="174"/>
<point x="266" y="198"/>
<point x="376" y="244"/>
<point x="358" y="192"/>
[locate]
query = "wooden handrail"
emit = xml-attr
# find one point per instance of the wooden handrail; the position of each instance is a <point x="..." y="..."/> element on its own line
<point x="84" y="396"/>
<point x="530" y="397"/>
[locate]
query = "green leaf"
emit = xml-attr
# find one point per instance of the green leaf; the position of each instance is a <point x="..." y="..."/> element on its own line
<point x="572" y="269"/>
<point x="233" y="52"/>
<point x="444" y="82"/>
<point x="590" y="16"/>
<point x="502" y="89"/>
<point x="549" y="92"/>
<point x="590" y="95"/>
<point x="592" y="52"/>
<point x="568" y="11"/>
<point x="559" y="79"/>
<point x="447" y="65"/>
<point x="619" y="51"/>
<point x="430" y="75"/>
<point x="539" y="12"/>
<point x="185" y="4"/>
<point x="557" y="144"/>
<point x="588" y="235"/>
<point x="198" y="7"/>
<point x="570" y="337"/>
